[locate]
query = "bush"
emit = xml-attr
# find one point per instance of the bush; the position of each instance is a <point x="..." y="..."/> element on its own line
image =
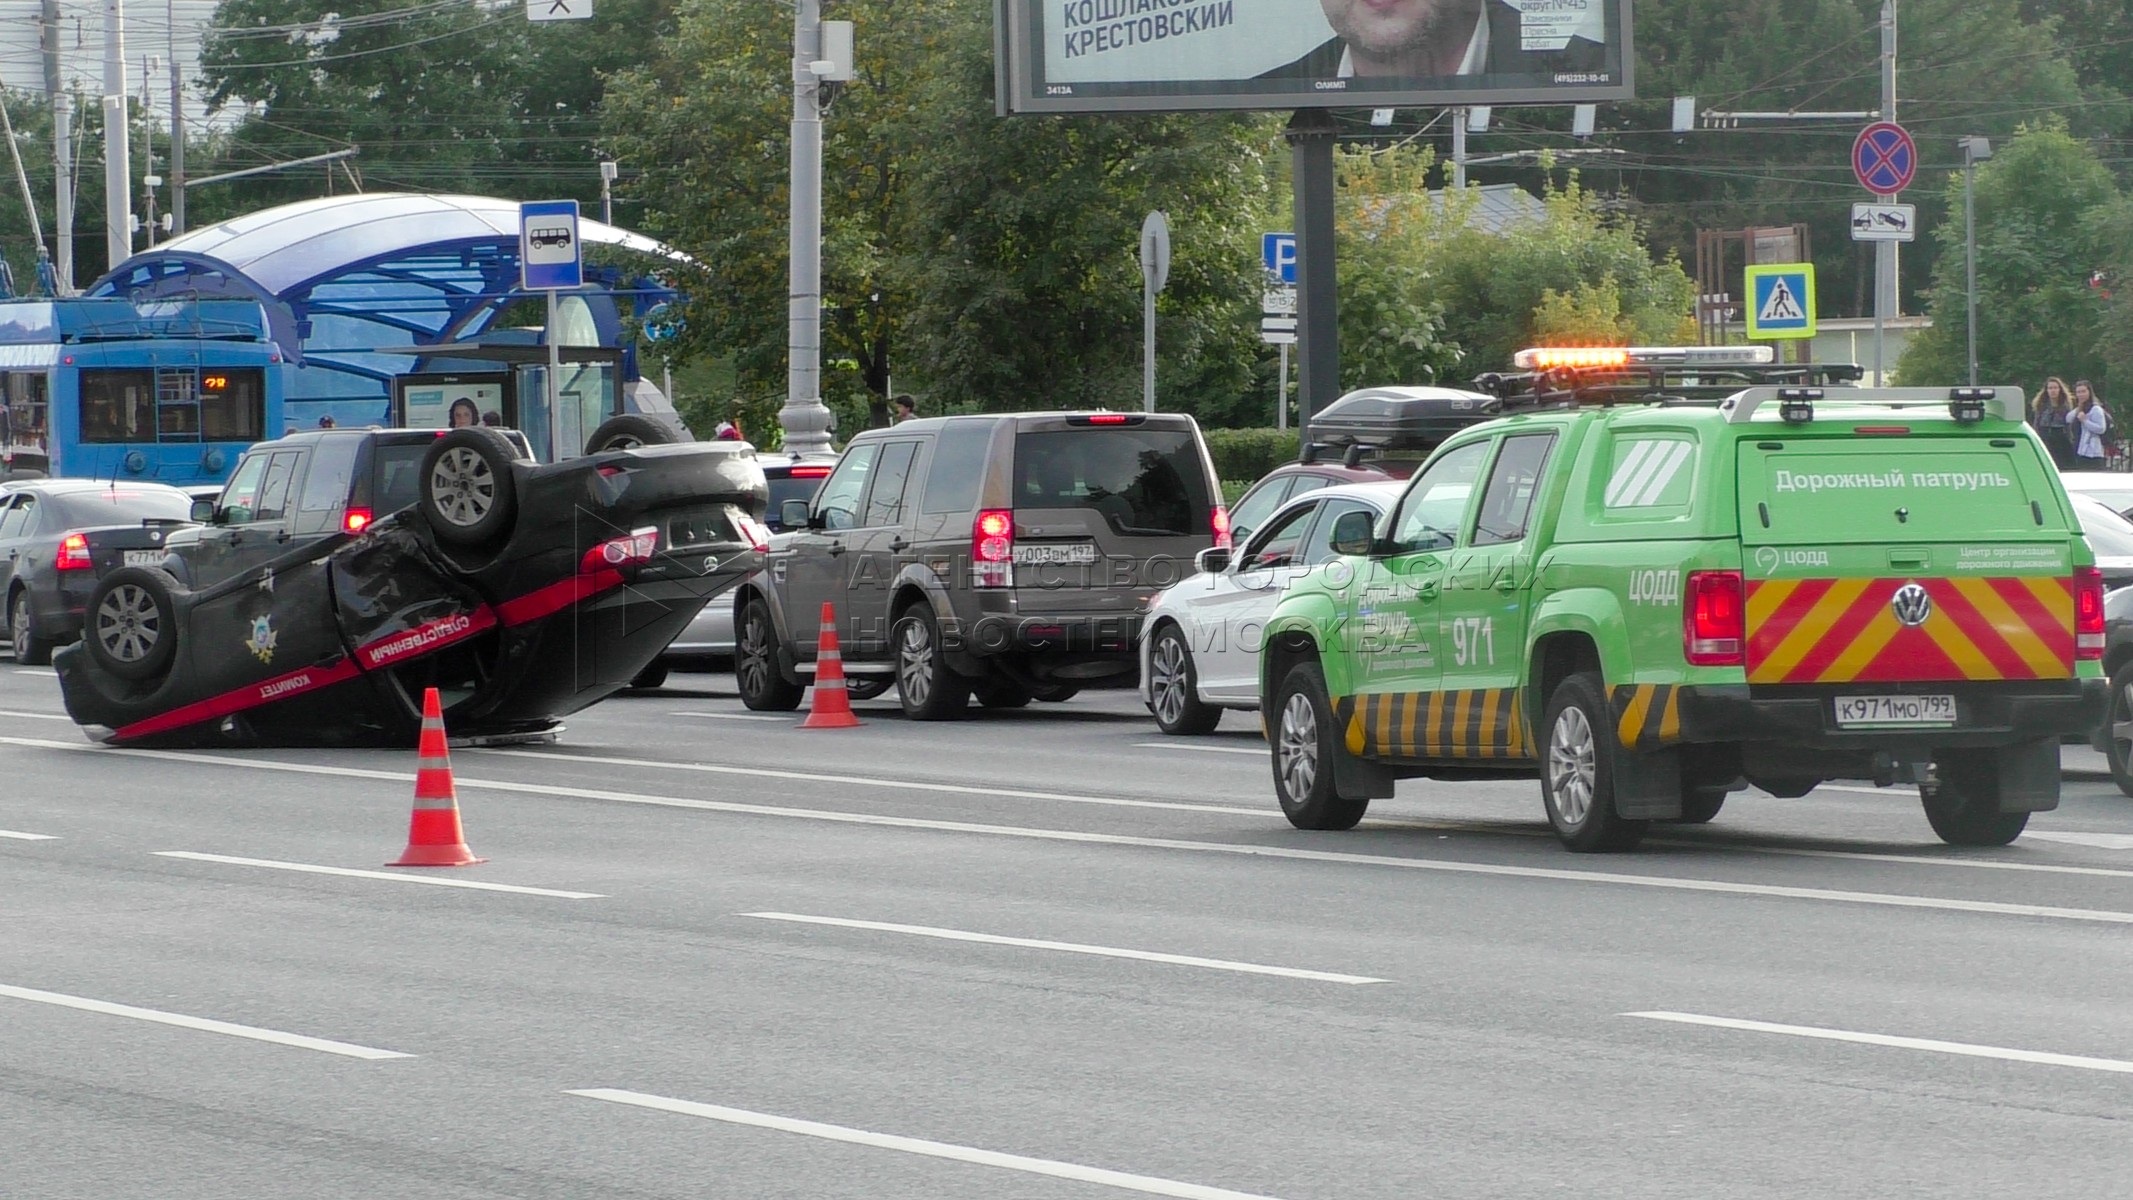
<point x="1250" y="453"/>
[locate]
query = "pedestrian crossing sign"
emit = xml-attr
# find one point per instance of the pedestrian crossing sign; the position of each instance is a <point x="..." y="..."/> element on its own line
<point x="1781" y="301"/>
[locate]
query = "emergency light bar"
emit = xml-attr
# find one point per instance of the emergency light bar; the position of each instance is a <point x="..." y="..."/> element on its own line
<point x="1547" y="358"/>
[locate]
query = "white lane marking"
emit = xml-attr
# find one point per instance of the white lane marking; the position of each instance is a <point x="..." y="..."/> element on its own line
<point x="432" y="880"/>
<point x="958" y="935"/>
<point x="2100" y="841"/>
<point x="28" y="837"/>
<point x="1966" y="1049"/>
<point x="1261" y="752"/>
<point x="1881" y="899"/>
<point x="200" y="1023"/>
<point x="736" y="716"/>
<point x="1145" y="1184"/>
<point x="34" y="671"/>
<point x="34" y="716"/>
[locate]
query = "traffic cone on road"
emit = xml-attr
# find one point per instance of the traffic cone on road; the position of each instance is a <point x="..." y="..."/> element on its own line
<point x="832" y="707"/>
<point x="434" y="838"/>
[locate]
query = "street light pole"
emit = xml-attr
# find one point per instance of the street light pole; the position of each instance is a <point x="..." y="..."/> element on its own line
<point x="607" y="196"/>
<point x="1975" y="150"/>
<point x="805" y="419"/>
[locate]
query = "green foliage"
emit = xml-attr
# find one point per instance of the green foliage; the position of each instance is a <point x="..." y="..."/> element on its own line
<point x="2044" y="206"/>
<point x="1391" y="238"/>
<point x="32" y="118"/>
<point x="1250" y="453"/>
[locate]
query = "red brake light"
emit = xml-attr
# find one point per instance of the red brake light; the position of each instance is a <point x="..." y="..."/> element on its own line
<point x="1108" y="419"/>
<point x="992" y="549"/>
<point x="74" y="554"/>
<point x="2088" y="613"/>
<point x="808" y="473"/>
<point x="356" y="520"/>
<point x="1883" y="430"/>
<point x="1221" y="524"/>
<point x="1714" y="620"/>
<point x="634" y="550"/>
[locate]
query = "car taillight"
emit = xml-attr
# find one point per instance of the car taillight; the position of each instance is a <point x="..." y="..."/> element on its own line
<point x="1220" y="521"/>
<point x="992" y="549"/>
<point x="633" y="550"/>
<point x="1714" y="620"/>
<point x="74" y="554"/>
<point x="2088" y="613"/>
<point x="355" y="520"/>
<point x="808" y="473"/>
<point x="755" y="531"/>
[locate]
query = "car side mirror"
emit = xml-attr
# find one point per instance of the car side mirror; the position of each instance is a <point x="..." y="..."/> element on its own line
<point x="204" y="512"/>
<point x="793" y="514"/>
<point x="1352" y="533"/>
<point x="1212" y="561"/>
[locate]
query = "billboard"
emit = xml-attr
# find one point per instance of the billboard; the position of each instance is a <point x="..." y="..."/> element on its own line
<point x="1066" y="56"/>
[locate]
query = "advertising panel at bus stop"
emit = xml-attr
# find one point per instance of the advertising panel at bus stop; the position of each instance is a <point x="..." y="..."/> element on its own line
<point x="1060" y="56"/>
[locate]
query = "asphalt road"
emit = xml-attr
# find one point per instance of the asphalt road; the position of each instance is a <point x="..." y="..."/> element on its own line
<point x="1038" y="954"/>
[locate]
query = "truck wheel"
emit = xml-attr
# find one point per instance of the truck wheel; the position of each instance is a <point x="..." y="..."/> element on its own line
<point x="1578" y="770"/>
<point x="755" y="662"/>
<point x="928" y="687"/>
<point x="132" y="625"/>
<point x="1964" y="805"/>
<point x="1307" y="737"/>
<point x="1175" y="687"/>
<point x="467" y="493"/>
<point x="629" y="431"/>
<point x="2118" y="729"/>
<point x="1700" y="804"/>
<point x="31" y="648"/>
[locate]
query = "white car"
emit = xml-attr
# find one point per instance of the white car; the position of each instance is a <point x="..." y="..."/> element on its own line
<point x="1202" y="635"/>
<point x="2113" y="488"/>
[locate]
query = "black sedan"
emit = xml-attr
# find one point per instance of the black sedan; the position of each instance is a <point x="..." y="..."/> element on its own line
<point x="523" y="592"/>
<point x="59" y="536"/>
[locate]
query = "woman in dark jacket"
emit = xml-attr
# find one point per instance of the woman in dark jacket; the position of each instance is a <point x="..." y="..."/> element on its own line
<point x="2047" y="415"/>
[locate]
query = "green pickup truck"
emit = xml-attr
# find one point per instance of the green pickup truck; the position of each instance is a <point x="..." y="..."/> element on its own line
<point x="1653" y="605"/>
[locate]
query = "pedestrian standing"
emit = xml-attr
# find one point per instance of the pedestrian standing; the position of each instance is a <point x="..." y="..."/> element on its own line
<point x="905" y="409"/>
<point x="2089" y="421"/>
<point x="2048" y="416"/>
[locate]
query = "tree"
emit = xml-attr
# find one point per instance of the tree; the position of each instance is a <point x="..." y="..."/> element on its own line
<point x="32" y="118"/>
<point x="2043" y="204"/>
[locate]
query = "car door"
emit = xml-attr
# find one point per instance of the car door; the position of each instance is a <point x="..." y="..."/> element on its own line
<point x="16" y="521"/>
<point x="810" y="567"/>
<point x="211" y="558"/>
<point x="1393" y="611"/>
<point x="1482" y="619"/>
<point x="1229" y="609"/>
<point x="877" y="548"/>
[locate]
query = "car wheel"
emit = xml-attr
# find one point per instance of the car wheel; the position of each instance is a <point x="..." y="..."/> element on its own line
<point x="1963" y="804"/>
<point x="755" y="663"/>
<point x="1174" y="685"/>
<point x="1054" y="693"/>
<point x="30" y="649"/>
<point x="651" y="677"/>
<point x="1699" y="805"/>
<point x="132" y="624"/>
<point x="928" y="687"/>
<point x="629" y="431"/>
<point x="1578" y="770"/>
<point x="866" y="687"/>
<point x="2118" y="729"/>
<point x="1001" y="693"/>
<point x="467" y="492"/>
<point x="1306" y="741"/>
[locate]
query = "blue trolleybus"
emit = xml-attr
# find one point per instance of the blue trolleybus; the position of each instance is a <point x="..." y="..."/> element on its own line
<point x="168" y="390"/>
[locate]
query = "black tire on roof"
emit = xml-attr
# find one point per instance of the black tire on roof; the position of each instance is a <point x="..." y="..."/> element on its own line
<point x="629" y="431"/>
<point x="468" y="494"/>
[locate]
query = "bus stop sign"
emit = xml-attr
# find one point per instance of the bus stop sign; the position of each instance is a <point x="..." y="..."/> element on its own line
<point x="548" y="251"/>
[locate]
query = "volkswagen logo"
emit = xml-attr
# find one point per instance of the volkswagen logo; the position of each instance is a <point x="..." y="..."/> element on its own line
<point x="1912" y="605"/>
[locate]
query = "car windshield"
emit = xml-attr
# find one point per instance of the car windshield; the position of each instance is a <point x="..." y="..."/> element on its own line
<point x="1143" y="481"/>
<point x="123" y="505"/>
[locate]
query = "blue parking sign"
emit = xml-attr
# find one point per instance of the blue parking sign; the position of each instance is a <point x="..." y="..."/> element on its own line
<point x="1278" y="252"/>
<point x="548" y="251"/>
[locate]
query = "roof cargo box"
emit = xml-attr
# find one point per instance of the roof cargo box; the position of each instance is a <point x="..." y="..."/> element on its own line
<point x="1401" y="418"/>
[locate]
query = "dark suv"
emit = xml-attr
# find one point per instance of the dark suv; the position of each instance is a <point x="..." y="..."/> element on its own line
<point x="1007" y="557"/>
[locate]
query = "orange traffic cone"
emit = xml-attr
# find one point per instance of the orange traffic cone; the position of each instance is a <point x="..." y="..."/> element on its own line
<point x="832" y="707"/>
<point x="434" y="838"/>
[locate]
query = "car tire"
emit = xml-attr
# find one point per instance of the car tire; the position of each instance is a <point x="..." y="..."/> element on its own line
<point x="629" y="431"/>
<point x="1963" y="804"/>
<point x="1054" y="693"/>
<point x="2118" y="729"/>
<point x="31" y="649"/>
<point x="1174" y="687"/>
<point x="651" y="677"/>
<point x="1700" y="804"/>
<point x="1001" y="693"/>
<point x="468" y="493"/>
<point x="1578" y="770"/>
<point x="131" y="625"/>
<point x="762" y="686"/>
<point x="926" y="685"/>
<point x="1306" y="740"/>
<point x="866" y="687"/>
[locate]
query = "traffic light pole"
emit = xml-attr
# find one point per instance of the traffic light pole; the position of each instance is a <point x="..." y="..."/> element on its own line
<point x="1318" y="336"/>
<point x="805" y="419"/>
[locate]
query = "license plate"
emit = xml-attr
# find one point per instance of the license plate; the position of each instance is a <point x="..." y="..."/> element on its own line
<point x="1856" y="711"/>
<point x="1064" y="555"/>
<point x="144" y="558"/>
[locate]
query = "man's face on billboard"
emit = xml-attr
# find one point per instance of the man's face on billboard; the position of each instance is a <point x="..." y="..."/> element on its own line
<point x="1398" y="28"/>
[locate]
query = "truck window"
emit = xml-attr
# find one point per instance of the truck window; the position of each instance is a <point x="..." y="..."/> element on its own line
<point x="885" y="504"/>
<point x="838" y="503"/>
<point x="1507" y="503"/>
<point x="1435" y="502"/>
<point x="332" y="470"/>
<point x="958" y="466"/>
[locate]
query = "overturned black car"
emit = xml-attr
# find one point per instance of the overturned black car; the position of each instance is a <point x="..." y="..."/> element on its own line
<point x="343" y="572"/>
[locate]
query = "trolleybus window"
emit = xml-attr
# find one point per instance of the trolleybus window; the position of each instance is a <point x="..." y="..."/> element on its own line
<point x="118" y="406"/>
<point x="233" y="404"/>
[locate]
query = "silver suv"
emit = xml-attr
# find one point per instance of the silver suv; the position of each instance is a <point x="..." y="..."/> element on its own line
<point x="1003" y="557"/>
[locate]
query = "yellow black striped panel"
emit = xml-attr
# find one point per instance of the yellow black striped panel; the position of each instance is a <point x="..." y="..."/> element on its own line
<point x="1474" y="723"/>
<point x="1647" y="715"/>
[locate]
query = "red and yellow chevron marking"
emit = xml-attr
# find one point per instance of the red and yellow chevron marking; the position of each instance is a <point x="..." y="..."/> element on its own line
<point x="1845" y="631"/>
